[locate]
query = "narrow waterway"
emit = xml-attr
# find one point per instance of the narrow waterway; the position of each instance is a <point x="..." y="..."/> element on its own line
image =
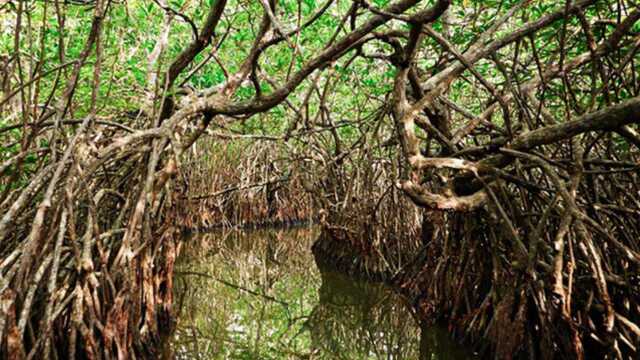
<point x="260" y="295"/>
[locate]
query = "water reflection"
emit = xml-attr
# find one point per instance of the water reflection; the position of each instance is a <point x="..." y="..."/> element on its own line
<point x="358" y="320"/>
<point x="259" y="295"/>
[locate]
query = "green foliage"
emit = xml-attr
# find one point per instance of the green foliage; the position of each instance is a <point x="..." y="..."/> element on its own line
<point x="132" y="31"/>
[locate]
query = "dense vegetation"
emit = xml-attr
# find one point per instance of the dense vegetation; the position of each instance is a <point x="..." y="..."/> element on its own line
<point x="484" y="154"/>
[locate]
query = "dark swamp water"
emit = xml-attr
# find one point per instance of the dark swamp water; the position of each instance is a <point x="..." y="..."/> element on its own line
<point x="260" y="295"/>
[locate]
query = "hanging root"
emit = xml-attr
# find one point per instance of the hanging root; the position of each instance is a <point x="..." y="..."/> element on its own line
<point x="243" y="183"/>
<point x="546" y="272"/>
<point x="87" y="262"/>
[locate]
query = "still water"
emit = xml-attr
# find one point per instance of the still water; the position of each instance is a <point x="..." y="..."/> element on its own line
<point x="260" y="295"/>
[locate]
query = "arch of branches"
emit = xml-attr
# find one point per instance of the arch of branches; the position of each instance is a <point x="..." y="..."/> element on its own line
<point x="513" y="125"/>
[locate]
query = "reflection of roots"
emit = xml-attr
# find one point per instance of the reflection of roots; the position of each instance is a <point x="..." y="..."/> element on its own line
<point x="355" y="319"/>
<point x="340" y="255"/>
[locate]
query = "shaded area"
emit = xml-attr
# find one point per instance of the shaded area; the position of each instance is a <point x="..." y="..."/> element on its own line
<point x="260" y="295"/>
